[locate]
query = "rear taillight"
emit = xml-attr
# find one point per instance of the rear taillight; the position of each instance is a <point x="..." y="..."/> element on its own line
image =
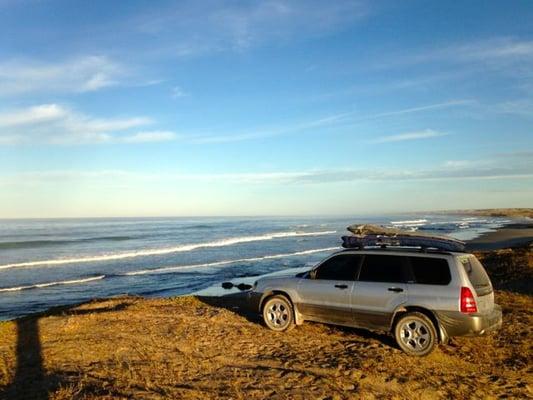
<point x="468" y="303"/>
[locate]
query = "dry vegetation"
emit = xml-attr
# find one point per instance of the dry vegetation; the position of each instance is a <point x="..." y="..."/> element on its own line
<point x="497" y="212"/>
<point x="205" y="348"/>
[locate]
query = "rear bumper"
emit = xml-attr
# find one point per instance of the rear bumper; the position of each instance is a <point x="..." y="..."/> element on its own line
<point x="456" y="323"/>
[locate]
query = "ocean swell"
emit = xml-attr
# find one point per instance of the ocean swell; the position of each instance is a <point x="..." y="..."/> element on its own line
<point x="166" y="270"/>
<point x="44" y="243"/>
<point x="166" y="250"/>
<point x="48" y="284"/>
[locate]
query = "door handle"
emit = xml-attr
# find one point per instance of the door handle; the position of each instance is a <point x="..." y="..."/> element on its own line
<point x="342" y="286"/>
<point x="395" y="289"/>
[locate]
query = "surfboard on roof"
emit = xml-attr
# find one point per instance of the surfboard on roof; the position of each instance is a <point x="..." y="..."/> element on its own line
<point x="374" y="235"/>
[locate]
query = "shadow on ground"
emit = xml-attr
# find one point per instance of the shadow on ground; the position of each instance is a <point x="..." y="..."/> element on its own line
<point x="238" y="304"/>
<point x="235" y="302"/>
<point x="30" y="380"/>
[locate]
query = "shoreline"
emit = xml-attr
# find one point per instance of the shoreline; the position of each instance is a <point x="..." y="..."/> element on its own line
<point x="513" y="235"/>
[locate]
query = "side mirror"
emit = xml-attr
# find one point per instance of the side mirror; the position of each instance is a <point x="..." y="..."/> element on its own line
<point x="312" y="274"/>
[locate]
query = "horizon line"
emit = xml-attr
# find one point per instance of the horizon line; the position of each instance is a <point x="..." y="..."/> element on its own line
<point x="462" y="210"/>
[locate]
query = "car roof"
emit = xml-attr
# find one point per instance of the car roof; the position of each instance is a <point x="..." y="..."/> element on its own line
<point x="401" y="251"/>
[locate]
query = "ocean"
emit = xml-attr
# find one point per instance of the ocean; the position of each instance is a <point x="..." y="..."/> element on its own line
<point x="51" y="262"/>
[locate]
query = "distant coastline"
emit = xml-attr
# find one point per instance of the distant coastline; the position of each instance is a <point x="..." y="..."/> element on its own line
<point x="492" y="212"/>
<point x="509" y="236"/>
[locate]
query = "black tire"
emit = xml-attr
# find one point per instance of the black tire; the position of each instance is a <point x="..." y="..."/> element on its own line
<point x="415" y="333"/>
<point x="278" y="313"/>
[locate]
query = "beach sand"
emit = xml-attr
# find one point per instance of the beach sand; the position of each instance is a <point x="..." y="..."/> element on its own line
<point x="512" y="235"/>
<point x="209" y="348"/>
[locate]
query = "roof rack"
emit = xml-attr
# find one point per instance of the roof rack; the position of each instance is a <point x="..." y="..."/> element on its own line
<point x="377" y="236"/>
<point x="400" y="249"/>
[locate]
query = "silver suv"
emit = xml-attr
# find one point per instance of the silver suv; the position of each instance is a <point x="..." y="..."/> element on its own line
<point x="421" y="297"/>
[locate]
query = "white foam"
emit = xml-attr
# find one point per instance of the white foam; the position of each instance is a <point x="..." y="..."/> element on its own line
<point x="166" y="250"/>
<point x="48" y="284"/>
<point x="410" y="222"/>
<point x="166" y="270"/>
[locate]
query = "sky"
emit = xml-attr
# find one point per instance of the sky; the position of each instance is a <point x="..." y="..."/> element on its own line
<point x="204" y="108"/>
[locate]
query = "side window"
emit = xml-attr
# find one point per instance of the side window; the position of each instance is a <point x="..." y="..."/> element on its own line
<point x="430" y="271"/>
<point x="383" y="268"/>
<point x="342" y="267"/>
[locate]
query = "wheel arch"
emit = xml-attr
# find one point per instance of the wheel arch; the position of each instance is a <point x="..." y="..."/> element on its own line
<point x="268" y="294"/>
<point x="441" y="332"/>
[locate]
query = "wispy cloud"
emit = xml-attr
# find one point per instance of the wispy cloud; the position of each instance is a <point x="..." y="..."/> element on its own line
<point x="425" y="134"/>
<point x="78" y="75"/>
<point x="507" y="49"/>
<point x="526" y="154"/>
<point x="149" y="136"/>
<point x="178" y="92"/>
<point x="509" y="58"/>
<point x="348" y="118"/>
<point x="458" y="163"/>
<point x="429" y="107"/>
<point x="512" y="167"/>
<point x="194" y="28"/>
<point x="496" y="51"/>
<point x="55" y="124"/>
<point x="32" y="115"/>
<point x="521" y="107"/>
<point x="269" y="132"/>
<point x="52" y="123"/>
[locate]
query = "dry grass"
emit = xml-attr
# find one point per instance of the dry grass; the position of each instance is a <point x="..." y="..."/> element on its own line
<point x="127" y="348"/>
<point x="510" y="269"/>
<point x="497" y="212"/>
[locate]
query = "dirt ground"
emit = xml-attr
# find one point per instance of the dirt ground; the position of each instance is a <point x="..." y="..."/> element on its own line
<point x="207" y="348"/>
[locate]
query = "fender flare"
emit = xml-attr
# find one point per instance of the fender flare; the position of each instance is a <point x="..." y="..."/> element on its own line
<point x="441" y="331"/>
<point x="298" y="318"/>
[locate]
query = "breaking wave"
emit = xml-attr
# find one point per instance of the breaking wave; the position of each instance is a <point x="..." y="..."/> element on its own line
<point x="48" y="284"/>
<point x="165" y="270"/>
<point x="166" y="250"/>
<point x="410" y="222"/>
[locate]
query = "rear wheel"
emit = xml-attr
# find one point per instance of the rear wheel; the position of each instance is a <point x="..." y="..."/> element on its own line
<point x="415" y="334"/>
<point x="278" y="313"/>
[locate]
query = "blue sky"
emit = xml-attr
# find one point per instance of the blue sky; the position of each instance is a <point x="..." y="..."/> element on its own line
<point x="145" y="108"/>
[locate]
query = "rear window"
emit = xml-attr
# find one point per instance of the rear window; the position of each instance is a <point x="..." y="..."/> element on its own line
<point x="430" y="271"/>
<point x="382" y="268"/>
<point x="476" y="273"/>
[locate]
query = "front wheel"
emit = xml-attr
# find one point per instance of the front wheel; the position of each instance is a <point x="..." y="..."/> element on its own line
<point x="415" y="334"/>
<point x="278" y="313"/>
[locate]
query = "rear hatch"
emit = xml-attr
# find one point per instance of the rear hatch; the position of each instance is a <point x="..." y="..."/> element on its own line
<point x="480" y="282"/>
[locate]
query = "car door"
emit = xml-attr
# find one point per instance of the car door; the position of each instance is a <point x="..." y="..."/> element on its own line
<point x="325" y="295"/>
<point x="380" y="288"/>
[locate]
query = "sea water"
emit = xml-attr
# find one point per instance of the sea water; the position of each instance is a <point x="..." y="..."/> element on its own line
<point x="46" y="263"/>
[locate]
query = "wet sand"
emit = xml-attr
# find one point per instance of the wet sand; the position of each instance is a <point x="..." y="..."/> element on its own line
<point x="510" y="236"/>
